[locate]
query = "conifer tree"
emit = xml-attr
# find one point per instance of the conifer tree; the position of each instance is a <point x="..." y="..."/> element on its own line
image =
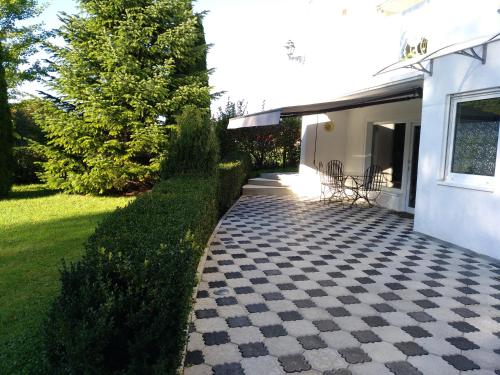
<point x="6" y="134"/>
<point x="128" y="67"/>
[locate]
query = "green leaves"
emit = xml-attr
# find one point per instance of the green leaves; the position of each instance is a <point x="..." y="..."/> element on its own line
<point x="127" y="64"/>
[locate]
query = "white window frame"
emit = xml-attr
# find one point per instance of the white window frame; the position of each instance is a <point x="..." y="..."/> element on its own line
<point x="460" y="179"/>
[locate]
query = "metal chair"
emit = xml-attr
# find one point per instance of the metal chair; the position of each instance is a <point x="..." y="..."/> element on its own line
<point x="332" y="181"/>
<point x="371" y="183"/>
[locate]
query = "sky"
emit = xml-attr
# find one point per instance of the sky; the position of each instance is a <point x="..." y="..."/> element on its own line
<point x="343" y="43"/>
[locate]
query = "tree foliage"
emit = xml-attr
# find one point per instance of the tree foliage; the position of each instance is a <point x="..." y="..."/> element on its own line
<point x="21" y="39"/>
<point x="128" y="67"/>
<point x="6" y="134"/>
<point x="195" y="150"/>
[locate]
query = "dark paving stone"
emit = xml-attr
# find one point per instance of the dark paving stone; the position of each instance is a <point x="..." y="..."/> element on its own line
<point x="466" y="300"/>
<point x="257" y="307"/>
<point x="272" y="272"/>
<point x="226" y="301"/>
<point x="194" y="358"/>
<point x="233" y="275"/>
<point x="357" y="289"/>
<point x="326" y="325"/>
<point x="389" y="296"/>
<point x="259" y="280"/>
<point x="366" y="336"/>
<point x="375" y="321"/>
<point x="348" y="300"/>
<point x="286" y="286"/>
<point x="425" y="304"/>
<point x="460" y="362"/>
<point x="429" y="293"/>
<point x="365" y="280"/>
<point x="465" y="313"/>
<point x="462" y="343"/>
<point x="354" y="355"/>
<point x="206" y="313"/>
<point x="215" y="338"/>
<point x="253" y="349"/>
<point x="228" y="369"/>
<point x="421" y="316"/>
<point x="248" y="267"/>
<point x="294" y="363"/>
<point x="463" y="327"/>
<point x="273" y="296"/>
<point x="287" y="316"/>
<point x="402" y="368"/>
<point x="316" y="293"/>
<point x="299" y="277"/>
<point x="217" y="284"/>
<point x="210" y="270"/>
<point x="338" y="311"/>
<point x="304" y="303"/>
<point x="312" y="342"/>
<point x="326" y="283"/>
<point x="202" y="294"/>
<point x="275" y="330"/>
<point x="416" y="331"/>
<point x="342" y="371"/>
<point x="238" y="321"/>
<point x="395" y="286"/>
<point x="244" y="290"/>
<point x="411" y="348"/>
<point x="383" y="307"/>
<point x="467" y="290"/>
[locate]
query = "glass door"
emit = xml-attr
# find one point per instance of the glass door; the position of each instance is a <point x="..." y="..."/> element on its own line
<point x="413" y="168"/>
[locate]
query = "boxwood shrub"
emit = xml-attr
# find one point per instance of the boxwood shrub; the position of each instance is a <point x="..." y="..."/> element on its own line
<point x="123" y="308"/>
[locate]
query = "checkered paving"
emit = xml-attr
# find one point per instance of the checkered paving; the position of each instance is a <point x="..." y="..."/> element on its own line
<point x="295" y="286"/>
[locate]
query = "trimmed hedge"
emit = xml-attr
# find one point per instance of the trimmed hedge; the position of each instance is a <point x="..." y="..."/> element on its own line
<point x="232" y="175"/>
<point x="123" y="308"/>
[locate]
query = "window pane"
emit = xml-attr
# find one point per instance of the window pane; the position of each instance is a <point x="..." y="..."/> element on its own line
<point x="476" y="137"/>
<point x="388" y="142"/>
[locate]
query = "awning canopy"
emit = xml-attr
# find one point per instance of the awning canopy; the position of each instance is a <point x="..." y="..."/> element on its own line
<point x="475" y="48"/>
<point x="393" y="92"/>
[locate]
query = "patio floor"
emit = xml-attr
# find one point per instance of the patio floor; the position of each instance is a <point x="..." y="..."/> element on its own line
<point x="298" y="286"/>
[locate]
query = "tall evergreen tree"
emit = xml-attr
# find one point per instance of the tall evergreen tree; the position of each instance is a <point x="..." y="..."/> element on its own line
<point x="128" y="67"/>
<point x="6" y="133"/>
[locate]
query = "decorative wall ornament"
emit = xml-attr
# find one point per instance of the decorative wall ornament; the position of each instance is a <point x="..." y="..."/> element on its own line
<point x="329" y="126"/>
<point x="290" y="47"/>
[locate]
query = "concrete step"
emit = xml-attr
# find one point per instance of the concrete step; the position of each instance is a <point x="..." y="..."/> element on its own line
<point x="266" y="190"/>
<point x="265" y="182"/>
<point x="277" y="175"/>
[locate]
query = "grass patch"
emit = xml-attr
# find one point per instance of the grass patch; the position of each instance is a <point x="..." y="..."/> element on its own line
<point x="38" y="227"/>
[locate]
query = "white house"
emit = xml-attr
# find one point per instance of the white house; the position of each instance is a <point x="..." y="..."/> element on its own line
<point x="430" y="118"/>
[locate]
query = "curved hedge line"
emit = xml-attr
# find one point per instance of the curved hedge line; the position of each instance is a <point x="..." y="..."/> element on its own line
<point x="124" y="307"/>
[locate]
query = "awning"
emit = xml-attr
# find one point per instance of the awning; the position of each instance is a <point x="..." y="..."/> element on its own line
<point x="258" y="119"/>
<point x="475" y="48"/>
<point x="393" y="92"/>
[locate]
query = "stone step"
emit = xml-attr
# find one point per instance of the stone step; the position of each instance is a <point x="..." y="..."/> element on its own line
<point x="266" y="190"/>
<point x="265" y="182"/>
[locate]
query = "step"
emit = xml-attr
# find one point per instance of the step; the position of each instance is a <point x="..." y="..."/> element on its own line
<point x="277" y="175"/>
<point x="266" y="190"/>
<point x="265" y="182"/>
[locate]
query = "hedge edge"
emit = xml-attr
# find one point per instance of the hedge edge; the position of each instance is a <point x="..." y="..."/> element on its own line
<point x="199" y="273"/>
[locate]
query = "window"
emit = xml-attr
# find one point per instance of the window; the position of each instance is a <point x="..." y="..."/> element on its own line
<point x="388" y="141"/>
<point x="475" y="121"/>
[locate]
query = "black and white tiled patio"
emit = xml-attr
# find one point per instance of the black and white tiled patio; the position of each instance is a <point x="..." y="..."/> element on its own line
<point x="295" y="286"/>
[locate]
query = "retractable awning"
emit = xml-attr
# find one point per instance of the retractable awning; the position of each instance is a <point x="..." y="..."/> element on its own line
<point x="394" y="92"/>
<point x="474" y="48"/>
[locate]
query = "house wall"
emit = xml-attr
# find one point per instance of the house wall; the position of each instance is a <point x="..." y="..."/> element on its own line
<point x="463" y="216"/>
<point x="350" y="142"/>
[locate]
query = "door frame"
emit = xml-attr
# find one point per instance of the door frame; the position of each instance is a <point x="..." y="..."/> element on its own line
<point x="412" y="126"/>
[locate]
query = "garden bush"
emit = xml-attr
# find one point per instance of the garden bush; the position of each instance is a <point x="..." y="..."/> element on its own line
<point x="195" y="150"/>
<point x="123" y="308"/>
<point x="232" y="175"/>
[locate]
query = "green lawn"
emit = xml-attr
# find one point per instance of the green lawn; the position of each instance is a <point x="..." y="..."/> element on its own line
<point x="38" y="228"/>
